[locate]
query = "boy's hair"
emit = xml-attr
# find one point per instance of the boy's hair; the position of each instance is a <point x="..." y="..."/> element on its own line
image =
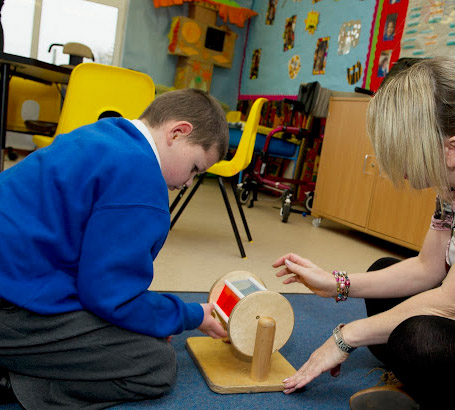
<point x="409" y="119"/>
<point x="210" y="128"/>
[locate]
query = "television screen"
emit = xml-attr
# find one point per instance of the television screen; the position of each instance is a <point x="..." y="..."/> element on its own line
<point x="214" y="39"/>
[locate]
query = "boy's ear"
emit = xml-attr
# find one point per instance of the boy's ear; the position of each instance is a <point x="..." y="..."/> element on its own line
<point x="178" y="129"/>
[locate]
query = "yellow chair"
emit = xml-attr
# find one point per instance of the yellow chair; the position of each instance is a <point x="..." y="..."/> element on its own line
<point x="96" y="91"/>
<point x="32" y="101"/>
<point x="228" y="169"/>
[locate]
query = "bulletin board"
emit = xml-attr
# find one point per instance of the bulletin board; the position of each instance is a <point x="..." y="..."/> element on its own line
<point x="292" y="42"/>
<point x="385" y="45"/>
<point x="429" y="29"/>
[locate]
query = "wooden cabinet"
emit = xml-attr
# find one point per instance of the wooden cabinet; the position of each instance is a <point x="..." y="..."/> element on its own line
<point x="351" y="190"/>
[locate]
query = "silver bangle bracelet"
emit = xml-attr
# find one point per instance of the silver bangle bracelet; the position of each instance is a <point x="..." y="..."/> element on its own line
<point x="337" y="335"/>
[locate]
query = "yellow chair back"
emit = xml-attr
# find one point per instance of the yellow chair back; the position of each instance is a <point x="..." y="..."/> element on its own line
<point x="96" y="89"/>
<point x="245" y="149"/>
<point x="30" y="100"/>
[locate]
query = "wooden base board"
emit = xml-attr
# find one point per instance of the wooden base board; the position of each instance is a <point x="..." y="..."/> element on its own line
<point x="226" y="374"/>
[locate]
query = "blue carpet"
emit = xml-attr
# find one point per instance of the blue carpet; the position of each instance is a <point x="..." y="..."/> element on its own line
<point x="315" y="318"/>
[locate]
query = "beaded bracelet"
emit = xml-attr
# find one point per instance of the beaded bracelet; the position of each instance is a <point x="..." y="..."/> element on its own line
<point x="343" y="284"/>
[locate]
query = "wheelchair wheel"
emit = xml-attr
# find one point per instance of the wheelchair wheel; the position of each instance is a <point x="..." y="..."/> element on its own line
<point x="285" y="206"/>
<point x="309" y="201"/>
<point x="285" y="212"/>
<point x="244" y="195"/>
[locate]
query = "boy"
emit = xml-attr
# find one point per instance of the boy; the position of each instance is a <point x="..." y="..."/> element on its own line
<point x="82" y="221"/>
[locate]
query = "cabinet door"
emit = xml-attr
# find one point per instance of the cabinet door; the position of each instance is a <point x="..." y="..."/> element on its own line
<point x="346" y="170"/>
<point x="402" y="214"/>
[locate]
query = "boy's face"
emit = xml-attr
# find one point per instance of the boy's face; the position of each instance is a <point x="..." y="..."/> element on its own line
<point x="184" y="161"/>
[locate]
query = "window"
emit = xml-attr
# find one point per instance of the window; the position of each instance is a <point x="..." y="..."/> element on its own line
<point x="32" y="26"/>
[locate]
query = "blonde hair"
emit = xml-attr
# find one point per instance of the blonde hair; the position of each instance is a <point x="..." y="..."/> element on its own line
<point x="409" y="119"/>
<point x="210" y="128"/>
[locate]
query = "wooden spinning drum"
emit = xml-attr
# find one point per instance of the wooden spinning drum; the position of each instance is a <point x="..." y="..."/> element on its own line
<point x="259" y="322"/>
<point x="240" y="300"/>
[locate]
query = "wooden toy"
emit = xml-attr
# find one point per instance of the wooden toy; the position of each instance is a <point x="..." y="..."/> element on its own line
<point x="259" y="322"/>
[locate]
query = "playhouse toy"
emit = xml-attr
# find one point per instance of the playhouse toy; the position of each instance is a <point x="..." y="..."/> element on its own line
<point x="259" y="322"/>
<point x="199" y="43"/>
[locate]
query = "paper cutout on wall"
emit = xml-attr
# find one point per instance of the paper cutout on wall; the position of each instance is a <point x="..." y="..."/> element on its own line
<point x="349" y="36"/>
<point x="354" y="73"/>
<point x="384" y="63"/>
<point x="294" y="66"/>
<point x="311" y="22"/>
<point x="255" y="60"/>
<point x="320" y="55"/>
<point x="389" y="27"/>
<point x="289" y="33"/>
<point x="429" y="29"/>
<point x="271" y="11"/>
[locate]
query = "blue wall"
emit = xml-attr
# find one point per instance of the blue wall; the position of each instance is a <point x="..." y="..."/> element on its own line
<point x="146" y="42"/>
<point x="273" y="76"/>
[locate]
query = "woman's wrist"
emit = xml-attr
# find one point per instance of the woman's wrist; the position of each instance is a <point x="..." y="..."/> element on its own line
<point x="343" y="285"/>
<point x="340" y="341"/>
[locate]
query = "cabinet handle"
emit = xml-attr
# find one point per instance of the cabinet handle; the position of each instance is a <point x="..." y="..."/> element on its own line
<point x="364" y="170"/>
<point x="373" y="165"/>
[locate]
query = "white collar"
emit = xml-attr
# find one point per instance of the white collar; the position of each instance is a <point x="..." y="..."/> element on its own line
<point x="144" y="130"/>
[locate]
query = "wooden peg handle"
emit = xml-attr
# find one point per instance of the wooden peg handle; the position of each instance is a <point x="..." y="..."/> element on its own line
<point x="265" y="336"/>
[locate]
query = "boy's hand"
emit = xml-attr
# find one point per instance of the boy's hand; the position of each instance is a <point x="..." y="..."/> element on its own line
<point x="210" y="326"/>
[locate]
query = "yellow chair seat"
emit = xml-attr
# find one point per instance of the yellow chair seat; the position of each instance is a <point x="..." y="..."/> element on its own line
<point x="228" y="169"/>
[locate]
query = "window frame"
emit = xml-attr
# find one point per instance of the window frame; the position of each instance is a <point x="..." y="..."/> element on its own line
<point x="121" y="5"/>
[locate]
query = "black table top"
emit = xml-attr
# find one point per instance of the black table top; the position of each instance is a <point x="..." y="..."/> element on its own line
<point x="36" y="70"/>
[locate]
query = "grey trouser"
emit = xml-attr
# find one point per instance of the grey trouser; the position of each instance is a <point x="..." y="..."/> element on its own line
<point x="76" y="360"/>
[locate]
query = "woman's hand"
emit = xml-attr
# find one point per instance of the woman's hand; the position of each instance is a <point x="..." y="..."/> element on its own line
<point x="328" y="357"/>
<point x="320" y="282"/>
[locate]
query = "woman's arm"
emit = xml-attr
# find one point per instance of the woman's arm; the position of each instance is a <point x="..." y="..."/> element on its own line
<point x="375" y="330"/>
<point x="408" y="277"/>
<point x="405" y="278"/>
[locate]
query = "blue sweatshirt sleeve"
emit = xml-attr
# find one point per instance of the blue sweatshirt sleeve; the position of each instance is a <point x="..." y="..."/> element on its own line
<point x="116" y="269"/>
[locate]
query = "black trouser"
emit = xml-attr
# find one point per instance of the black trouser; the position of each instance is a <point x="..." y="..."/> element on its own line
<point x="420" y="352"/>
<point x="76" y="360"/>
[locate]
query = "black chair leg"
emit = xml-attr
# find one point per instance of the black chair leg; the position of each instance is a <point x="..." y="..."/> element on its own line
<point x="193" y="191"/>
<point x="177" y="199"/>
<point x="239" y="205"/>
<point x="231" y="216"/>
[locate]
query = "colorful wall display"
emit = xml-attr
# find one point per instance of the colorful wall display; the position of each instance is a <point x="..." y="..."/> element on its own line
<point x="349" y="36"/>
<point x="387" y="31"/>
<point x="288" y="46"/>
<point x="429" y="29"/>
<point x="354" y="73"/>
<point x="271" y="11"/>
<point x="320" y="55"/>
<point x="289" y="33"/>
<point x="311" y="22"/>
<point x="294" y="66"/>
<point x="255" y="61"/>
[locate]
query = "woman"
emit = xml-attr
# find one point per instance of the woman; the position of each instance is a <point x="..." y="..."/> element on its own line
<point x="410" y="303"/>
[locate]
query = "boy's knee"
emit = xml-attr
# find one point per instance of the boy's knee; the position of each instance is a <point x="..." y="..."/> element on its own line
<point x="158" y="371"/>
<point x="163" y="364"/>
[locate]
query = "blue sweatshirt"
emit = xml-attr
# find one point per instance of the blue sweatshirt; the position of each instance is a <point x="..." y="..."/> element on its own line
<point x="81" y="223"/>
